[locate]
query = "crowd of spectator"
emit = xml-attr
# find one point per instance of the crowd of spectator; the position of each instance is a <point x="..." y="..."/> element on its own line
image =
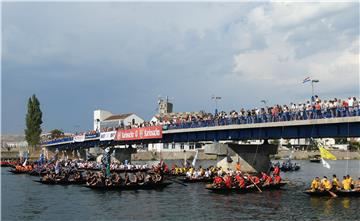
<point x="317" y="108"/>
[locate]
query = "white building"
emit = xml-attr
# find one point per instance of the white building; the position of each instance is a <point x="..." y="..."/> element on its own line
<point x="104" y="119"/>
<point x="167" y="147"/>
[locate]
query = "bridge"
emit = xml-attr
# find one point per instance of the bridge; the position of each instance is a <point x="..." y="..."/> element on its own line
<point x="318" y="128"/>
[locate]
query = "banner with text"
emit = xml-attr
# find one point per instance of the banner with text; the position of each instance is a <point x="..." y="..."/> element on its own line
<point x="154" y="132"/>
<point x="110" y="135"/>
<point x="79" y="138"/>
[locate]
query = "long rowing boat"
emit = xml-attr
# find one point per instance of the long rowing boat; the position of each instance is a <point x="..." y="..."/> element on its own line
<point x="249" y="189"/>
<point x="343" y="193"/>
<point x="145" y="186"/>
<point x="60" y="182"/>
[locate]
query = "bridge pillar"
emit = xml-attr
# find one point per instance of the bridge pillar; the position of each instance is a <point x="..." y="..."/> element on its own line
<point x="122" y="154"/>
<point x="252" y="158"/>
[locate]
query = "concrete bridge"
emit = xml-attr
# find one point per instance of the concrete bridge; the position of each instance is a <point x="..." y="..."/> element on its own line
<point x="320" y="128"/>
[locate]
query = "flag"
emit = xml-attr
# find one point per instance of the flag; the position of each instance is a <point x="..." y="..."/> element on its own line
<point x="306" y="80"/>
<point x="325" y="164"/>
<point x="24" y="164"/>
<point x="195" y="158"/>
<point x="326" y="154"/>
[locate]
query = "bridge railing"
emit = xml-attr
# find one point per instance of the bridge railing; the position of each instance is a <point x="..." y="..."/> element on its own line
<point x="267" y="118"/>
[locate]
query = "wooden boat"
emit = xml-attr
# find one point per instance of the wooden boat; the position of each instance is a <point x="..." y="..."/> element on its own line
<point x="342" y="193"/>
<point x="18" y="171"/>
<point x="145" y="186"/>
<point x="250" y="189"/>
<point x="61" y="182"/>
<point x="196" y="180"/>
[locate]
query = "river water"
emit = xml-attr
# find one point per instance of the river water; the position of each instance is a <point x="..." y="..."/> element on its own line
<point x="23" y="199"/>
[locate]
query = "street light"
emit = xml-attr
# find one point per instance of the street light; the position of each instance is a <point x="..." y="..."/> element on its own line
<point x="312" y="89"/>
<point x="216" y="98"/>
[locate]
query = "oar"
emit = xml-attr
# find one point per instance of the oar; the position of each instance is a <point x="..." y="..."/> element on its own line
<point x="175" y="181"/>
<point x="332" y="194"/>
<point x="254" y="183"/>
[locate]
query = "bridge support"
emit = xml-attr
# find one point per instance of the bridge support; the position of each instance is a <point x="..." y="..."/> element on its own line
<point x="122" y="154"/>
<point x="252" y="158"/>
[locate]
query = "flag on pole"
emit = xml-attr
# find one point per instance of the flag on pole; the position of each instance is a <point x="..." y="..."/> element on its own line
<point x="306" y="80"/>
<point x="325" y="164"/>
<point x="326" y="154"/>
<point x="195" y="158"/>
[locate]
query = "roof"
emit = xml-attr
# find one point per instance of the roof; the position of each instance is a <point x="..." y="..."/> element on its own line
<point x="118" y="116"/>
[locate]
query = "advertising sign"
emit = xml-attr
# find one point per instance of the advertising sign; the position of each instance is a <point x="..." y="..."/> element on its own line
<point x="79" y="138"/>
<point x="110" y="135"/>
<point x="154" y="132"/>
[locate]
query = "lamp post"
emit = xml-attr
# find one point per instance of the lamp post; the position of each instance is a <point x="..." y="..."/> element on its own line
<point x="216" y="98"/>
<point x="312" y="89"/>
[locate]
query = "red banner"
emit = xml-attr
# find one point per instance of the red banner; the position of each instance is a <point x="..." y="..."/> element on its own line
<point x="154" y="132"/>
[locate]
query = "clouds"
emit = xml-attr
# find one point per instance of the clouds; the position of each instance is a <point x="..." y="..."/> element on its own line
<point x="121" y="56"/>
<point x="320" y="40"/>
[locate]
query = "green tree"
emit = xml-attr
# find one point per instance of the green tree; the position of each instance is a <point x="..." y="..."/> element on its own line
<point x="33" y="122"/>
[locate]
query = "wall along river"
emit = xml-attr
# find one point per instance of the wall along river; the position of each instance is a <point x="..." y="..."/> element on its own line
<point x="23" y="199"/>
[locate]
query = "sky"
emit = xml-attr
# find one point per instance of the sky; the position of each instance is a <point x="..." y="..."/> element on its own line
<point x="118" y="56"/>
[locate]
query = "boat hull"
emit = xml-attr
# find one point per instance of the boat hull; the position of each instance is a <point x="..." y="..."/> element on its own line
<point x="131" y="187"/>
<point x="341" y="193"/>
<point x="246" y="190"/>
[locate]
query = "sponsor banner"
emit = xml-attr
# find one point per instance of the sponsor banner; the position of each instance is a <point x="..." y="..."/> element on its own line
<point x="89" y="136"/>
<point x="154" y="132"/>
<point x="110" y="135"/>
<point x="79" y="138"/>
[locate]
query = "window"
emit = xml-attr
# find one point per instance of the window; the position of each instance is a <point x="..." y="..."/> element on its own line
<point x="191" y="146"/>
<point x="182" y="146"/>
<point x="198" y="145"/>
<point x="165" y="146"/>
<point x="173" y="146"/>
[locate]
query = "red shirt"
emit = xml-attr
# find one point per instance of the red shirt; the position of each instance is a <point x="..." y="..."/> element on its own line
<point x="276" y="170"/>
<point x="218" y="180"/>
<point x="277" y="179"/>
<point x="228" y="181"/>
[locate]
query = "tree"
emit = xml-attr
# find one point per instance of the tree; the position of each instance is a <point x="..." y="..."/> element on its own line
<point x="33" y="122"/>
<point x="56" y="133"/>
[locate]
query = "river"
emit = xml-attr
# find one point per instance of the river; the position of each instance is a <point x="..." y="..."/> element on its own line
<point x="23" y="199"/>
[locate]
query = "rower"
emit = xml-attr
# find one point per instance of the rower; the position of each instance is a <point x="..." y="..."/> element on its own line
<point x="315" y="184"/>
<point x="218" y="181"/>
<point x="276" y="170"/>
<point x="346" y="183"/>
<point x="335" y="183"/>
<point x="357" y="184"/>
<point x="326" y="184"/>
<point x="351" y="181"/>
<point x="240" y="180"/>
<point x="228" y="181"/>
<point x="277" y="179"/>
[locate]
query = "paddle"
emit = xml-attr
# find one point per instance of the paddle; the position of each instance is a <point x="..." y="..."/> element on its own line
<point x="332" y="194"/>
<point x="253" y="182"/>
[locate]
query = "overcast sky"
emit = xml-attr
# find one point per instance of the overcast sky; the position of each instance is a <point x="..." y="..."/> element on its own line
<point x="78" y="57"/>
